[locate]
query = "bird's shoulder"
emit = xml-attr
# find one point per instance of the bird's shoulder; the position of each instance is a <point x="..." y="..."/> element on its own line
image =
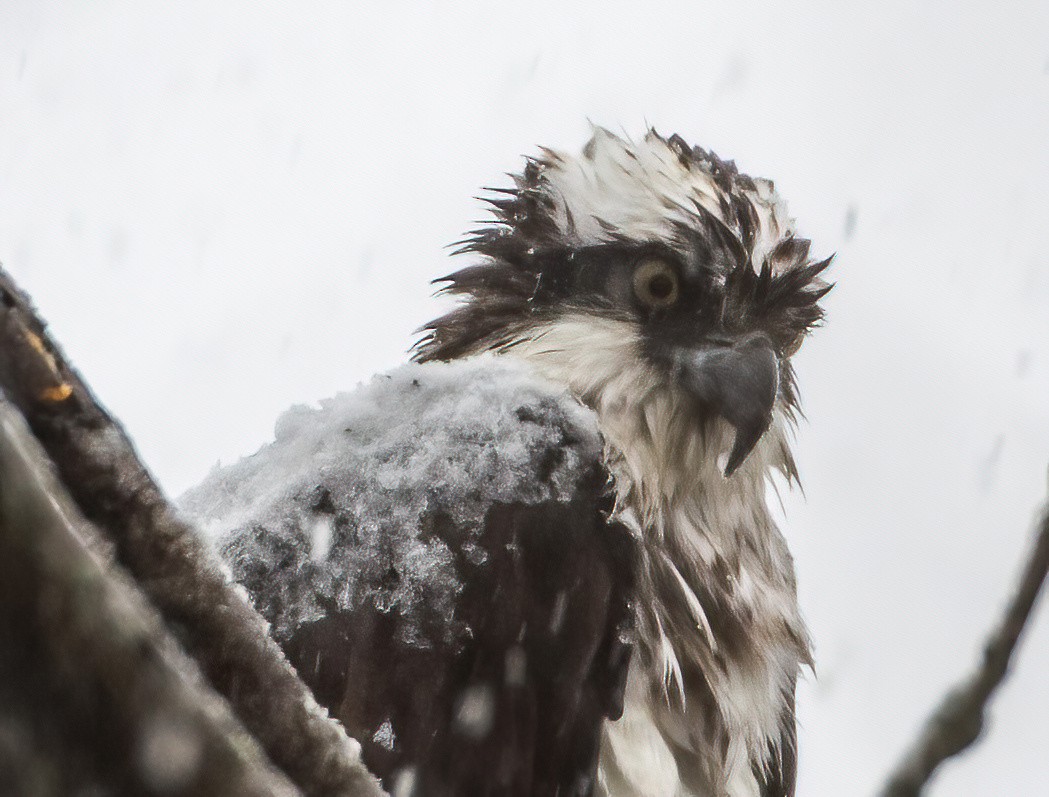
<point x="434" y="554"/>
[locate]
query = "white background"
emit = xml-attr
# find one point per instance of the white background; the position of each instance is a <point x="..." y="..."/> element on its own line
<point x="225" y="207"/>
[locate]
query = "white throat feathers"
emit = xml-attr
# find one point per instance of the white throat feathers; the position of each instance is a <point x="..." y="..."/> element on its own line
<point x="720" y="638"/>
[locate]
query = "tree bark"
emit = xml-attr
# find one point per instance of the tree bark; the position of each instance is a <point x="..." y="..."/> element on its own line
<point x="95" y="690"/>
<point x="181" y="576"/>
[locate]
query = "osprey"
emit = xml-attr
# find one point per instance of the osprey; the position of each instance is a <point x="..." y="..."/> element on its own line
<point x="606" y="606"/>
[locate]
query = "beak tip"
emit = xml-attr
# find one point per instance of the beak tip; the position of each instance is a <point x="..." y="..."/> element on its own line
<point x="733" y="465"/>
<point x="746" y="440"/>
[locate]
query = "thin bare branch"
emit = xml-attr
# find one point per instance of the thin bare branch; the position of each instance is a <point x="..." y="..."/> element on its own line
<point x="959" y="719"/>
<point x="98" y="464"/>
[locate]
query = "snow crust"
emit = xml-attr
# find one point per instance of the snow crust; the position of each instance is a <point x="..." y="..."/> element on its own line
<point x="374" y="494"/>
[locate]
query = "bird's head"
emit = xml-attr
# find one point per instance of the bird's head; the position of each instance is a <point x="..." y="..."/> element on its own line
<point x="643" y="275"/>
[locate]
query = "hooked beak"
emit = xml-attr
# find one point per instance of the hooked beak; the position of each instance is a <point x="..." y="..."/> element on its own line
<point x="740" y="380"/>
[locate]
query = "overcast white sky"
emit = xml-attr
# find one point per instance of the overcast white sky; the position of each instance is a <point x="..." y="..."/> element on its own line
<point x="226" y="208"/>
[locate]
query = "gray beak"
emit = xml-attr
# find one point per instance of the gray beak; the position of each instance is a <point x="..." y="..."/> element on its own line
<point x="740" y="381"/>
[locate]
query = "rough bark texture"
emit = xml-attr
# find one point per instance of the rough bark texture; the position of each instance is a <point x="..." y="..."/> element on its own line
<point x="959" y="720"/>
<point x="95" y="692"/>
<point x="97" y="462"/>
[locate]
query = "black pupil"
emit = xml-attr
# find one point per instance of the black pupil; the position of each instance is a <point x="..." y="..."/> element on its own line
<point x="660" y="286"/>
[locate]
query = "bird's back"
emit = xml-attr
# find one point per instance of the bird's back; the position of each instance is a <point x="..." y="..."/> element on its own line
<point x="433" y="554"/>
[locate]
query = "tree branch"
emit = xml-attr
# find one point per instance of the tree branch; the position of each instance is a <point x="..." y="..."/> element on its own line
<point x="959" y="719"/>
<point x="95" y="689"/>
<point x="98" y="464"/>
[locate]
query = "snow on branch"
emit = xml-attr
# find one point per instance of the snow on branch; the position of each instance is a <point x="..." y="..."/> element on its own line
<point x="958" y="721"/>
<point x="97" y="463"/>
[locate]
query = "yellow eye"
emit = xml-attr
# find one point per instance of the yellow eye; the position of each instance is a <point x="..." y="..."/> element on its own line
<point x="656" y="283"/>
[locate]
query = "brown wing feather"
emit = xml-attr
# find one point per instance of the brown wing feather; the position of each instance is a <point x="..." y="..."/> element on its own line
<point x="515" y="706"/>
<point x="782" y="778"/>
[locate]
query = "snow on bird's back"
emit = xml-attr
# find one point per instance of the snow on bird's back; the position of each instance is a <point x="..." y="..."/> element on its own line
<point x="342" y="506"/>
